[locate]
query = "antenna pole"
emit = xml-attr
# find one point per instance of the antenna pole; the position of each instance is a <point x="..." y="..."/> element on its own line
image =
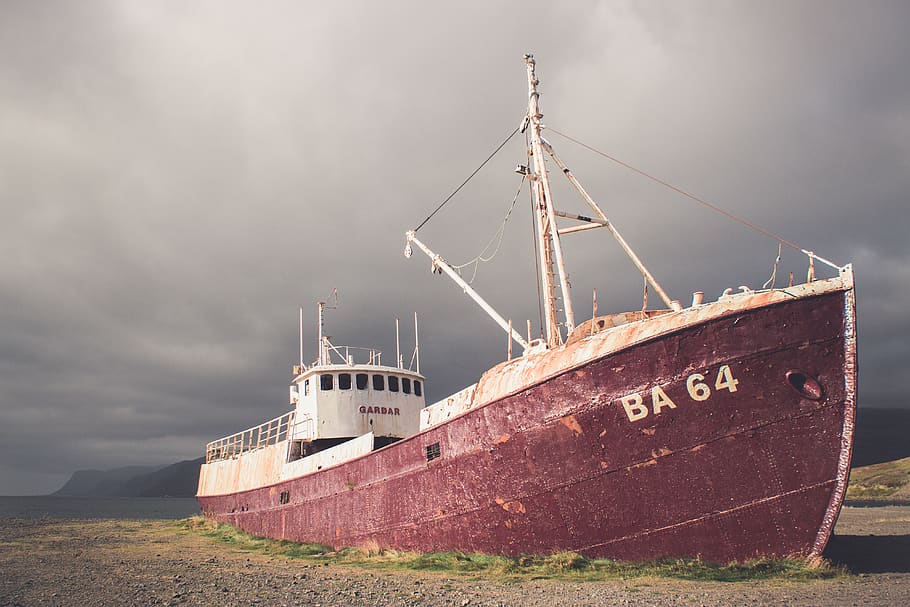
<point x="416" y="343"/>
<point x="301" y="337"/>
<point x="547" y="234"/>
<point x="320" y="339"/>
<point x="397" y="346"/>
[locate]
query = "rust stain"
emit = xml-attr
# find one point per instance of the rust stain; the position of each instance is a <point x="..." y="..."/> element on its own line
<point x="602" y="434"/>
<point x="697" y="448"/>
<point x="648" y="431"/>
<point x="502" y="439"/>
<point x="516" y="507"/>
<point x="338" y="532"/>
<point x="650" y="462"/>
<point x="660" y="452"/>
<point x="572" y="424"/>
<point x="604" y="465"/>
<point x="511" y="506"/>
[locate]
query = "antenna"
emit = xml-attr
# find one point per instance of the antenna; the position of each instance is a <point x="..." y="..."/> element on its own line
<point x="301" y="337"/>
<point x="397" y="346"/>
<point x="321" y="307"/>
<point x="416" y="343"/>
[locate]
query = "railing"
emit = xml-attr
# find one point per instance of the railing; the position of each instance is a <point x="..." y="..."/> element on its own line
<point x="345" y="354"/>
<point x="271" y="432"/>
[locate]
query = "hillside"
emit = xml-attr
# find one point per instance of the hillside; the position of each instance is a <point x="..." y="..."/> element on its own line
<point x="887" y="480"/>
<point x="101" y="483"/>
<point x="176" y="480"/>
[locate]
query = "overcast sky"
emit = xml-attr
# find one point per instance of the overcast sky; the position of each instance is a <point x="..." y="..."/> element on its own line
<point x="176" y="178"/>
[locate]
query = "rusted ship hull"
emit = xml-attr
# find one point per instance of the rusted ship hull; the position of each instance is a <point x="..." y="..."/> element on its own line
<point x="725" y="465"/>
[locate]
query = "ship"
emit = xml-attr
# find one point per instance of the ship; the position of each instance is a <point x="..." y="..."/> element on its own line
<point x="721" y="430"/>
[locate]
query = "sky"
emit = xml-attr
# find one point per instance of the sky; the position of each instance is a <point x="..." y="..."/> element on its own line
<point x="177" y="178"/>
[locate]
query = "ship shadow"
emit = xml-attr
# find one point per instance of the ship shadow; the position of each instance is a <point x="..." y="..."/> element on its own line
<point x="870" y="553"/>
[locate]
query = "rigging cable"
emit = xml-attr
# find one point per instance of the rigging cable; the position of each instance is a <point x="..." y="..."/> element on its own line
<point x="700" y="201"/>
<point x="500" y="233"/>
<point x="477" y="170"/>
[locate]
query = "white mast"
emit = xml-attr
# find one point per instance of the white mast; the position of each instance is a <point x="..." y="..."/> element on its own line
<point x="398" y="361"/>
<point x="552" y="264"/>
<point x="416" y="343"/>
<point x="301" y="337"/>
<point x="320" y="340"/>
<point x="323" y="356"/>
<point x="550" y="248"/>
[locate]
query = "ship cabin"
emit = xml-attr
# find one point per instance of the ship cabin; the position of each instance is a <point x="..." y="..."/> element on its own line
<point x="344" y="405"/>
<point x="336" y="402"/>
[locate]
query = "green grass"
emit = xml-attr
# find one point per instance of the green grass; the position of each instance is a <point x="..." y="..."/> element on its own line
<point x="561" y="566"/>
<point x="879" y="481"/>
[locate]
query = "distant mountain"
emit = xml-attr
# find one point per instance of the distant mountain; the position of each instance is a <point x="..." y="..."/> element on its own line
<point x="101" y="483"/>
<point x="176" y="480"/>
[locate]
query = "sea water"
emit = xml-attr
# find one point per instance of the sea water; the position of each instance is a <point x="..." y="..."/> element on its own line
<point x="132" y="508"/>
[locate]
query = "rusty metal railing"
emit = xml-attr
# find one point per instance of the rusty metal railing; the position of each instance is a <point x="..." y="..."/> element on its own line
<point x="271" y="432"/>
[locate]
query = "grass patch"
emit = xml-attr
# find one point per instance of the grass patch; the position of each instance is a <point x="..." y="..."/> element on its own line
<point x="879" y="480"/>
<point x="561" y="566"/>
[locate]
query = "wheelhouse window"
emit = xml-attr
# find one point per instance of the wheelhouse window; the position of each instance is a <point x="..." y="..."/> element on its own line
<point x="405" y="385"/>
<point x="362" y="380"/>
<point x="393" y="383"/>
<point x="306" y="387"/>
<point x="326" y="381"/>
<point x="344" y="381"/>
<point x="379" y="382"/>
<point x="418" y="389"/>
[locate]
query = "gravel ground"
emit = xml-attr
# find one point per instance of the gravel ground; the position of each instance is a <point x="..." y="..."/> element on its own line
<point x="115" y="562"/>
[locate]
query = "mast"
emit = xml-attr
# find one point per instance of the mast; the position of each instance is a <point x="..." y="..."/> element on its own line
<point x="549" y="246"/>
<point x="552" y="264"/>
<point x="301" y="337"/>
<point x="322" y="339"/>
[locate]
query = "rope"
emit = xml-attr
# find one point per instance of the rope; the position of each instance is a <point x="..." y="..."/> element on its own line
<point x="477" y="170"/>
<point x="770" y="281"/>
<point x="500" y="233"/>
<point x="700" y="201"/>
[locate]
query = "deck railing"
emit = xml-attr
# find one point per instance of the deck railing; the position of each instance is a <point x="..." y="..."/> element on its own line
<point x="271" y="432"/>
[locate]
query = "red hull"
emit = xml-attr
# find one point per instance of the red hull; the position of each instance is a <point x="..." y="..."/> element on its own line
<point x="759" y="471"/>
